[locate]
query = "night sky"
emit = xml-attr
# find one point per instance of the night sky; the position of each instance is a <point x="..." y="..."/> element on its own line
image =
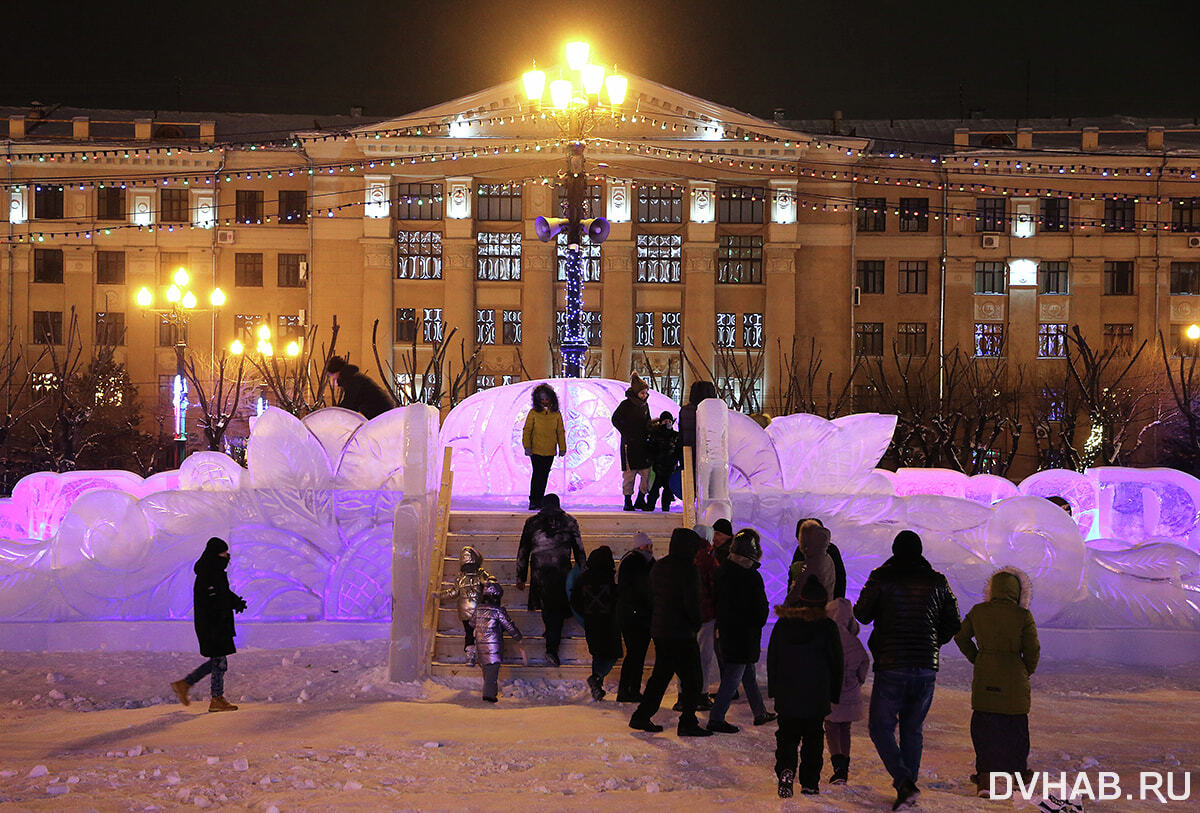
<point x="868" y="59"/>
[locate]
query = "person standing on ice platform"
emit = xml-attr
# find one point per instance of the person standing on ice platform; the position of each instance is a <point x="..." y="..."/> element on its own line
<point x="549" y="540"/>
<point x="543" y="436"/>
<point x="214" y="606"/>
<point x="632" y="419"/>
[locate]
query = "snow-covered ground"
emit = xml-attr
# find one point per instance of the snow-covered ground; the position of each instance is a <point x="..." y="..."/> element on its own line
<point x="320" y="728"/>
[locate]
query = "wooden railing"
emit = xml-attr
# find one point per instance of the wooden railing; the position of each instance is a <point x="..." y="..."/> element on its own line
<point x="687" y="485"/>
<point x="438" y="556"/>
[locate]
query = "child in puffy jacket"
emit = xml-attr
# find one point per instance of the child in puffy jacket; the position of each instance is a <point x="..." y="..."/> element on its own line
<point x="466" y="589"/>
<point x="856" y="665"/>
<point x="491" y="621"/>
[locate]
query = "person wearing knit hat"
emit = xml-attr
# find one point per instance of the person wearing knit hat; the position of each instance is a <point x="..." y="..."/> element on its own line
<point x="634" y="605"/>
<point x="804" y="676"/>
<point x="914" y="613"/>
<point x="666" y="457"/>
<point x="722" y="539"/>
<point x="632" y="419"/>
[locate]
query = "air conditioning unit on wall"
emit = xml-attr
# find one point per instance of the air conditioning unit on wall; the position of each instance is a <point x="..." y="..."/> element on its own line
<point x="989" y="241"/>
<point x="225" y="237"/>
<point x="1194" y="241"/>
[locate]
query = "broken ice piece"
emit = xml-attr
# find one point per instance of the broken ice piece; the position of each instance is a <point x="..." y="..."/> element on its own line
<point x="432" y="744"/>
<point x="213" y="760"/>
<point x="240" y="764"/>
<point x="38" y="770"/>
<point x="135" y="751"/>
<point x="58" y="790"/>
<point x="352" y="785"/>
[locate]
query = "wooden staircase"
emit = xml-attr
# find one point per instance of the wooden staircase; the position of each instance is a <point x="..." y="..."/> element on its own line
<point x="496" y="535"/>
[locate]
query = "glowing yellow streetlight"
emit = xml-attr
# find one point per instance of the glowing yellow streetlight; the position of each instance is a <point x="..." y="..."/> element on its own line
<point x="181" y="277"/>
<point x="174" y="294"/>
<point x="577" y="55"/>
<point x="535" y="83"/>
<point x="237" y="348"/>
<point x="616" y="87"/>
<point x="1193" y="332"/>
<point x="188" y="300"/>
<point x="264" y="333"/>
<point x="145" y="298"/>
<point x="582" y="90"/>
<point x="293" y="349"/>
<point x="217" y="297"/>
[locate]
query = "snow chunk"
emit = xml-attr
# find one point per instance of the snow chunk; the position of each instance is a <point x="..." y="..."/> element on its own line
<point x="212" y="760"/>
<point x="652" y="787"/>
<point x="352" y="785"/>
<point x="38" y="770"/>
<point x="58" y="790"/>
<point x="136" y="751"/>
<point x="173" y="778"/>
<point x="432" y="744"/>
<point x="55" y="694"/>
<point x="201" y="801"/>
<point x="241" y="764"/>
<point x="1089" y="762"/>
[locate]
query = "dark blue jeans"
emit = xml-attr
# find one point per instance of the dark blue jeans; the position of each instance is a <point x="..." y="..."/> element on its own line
<point x="217" y="667"/>
<point x="903" y="697"/>
<point x="733" y="674"/>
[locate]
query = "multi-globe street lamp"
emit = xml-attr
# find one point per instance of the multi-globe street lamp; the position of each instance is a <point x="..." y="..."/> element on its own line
<point x="182" y="304"/>
<point x="575" y="105"/>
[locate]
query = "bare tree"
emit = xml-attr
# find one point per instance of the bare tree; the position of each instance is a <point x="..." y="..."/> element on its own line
<point x="742" y="376"/>
<point x="1054" y="408"/>
<point x="298" y="385"/>
<point x="799" y="384"/>
<point x="16" y="381"/>
<point x="1182" y="444"/>
<point x="439" y="384"/>
<point x="220" y="405"/>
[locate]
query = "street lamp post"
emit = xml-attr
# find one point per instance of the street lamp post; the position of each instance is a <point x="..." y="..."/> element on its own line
<point x="575" y="106"/>
<point x="182" y="305"/>
<point x="281" y="381"/>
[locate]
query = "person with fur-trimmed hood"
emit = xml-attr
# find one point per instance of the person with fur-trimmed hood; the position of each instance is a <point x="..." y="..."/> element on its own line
<point x="549" y="540"/>
<point x="999" y="636"/>
<point x="632" y="419"/>
<point x="491" y="621"/>
<point x="804" y="676"/>
<point x="543" y="436"/>
<point x="856" y="665"/>
<point x="465" y="588"/>
<point x="359" y="393"/>
<point x="813" y="537"/>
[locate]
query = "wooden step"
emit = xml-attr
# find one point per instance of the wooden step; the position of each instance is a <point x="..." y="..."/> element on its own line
<point x="516" y="671"/>
<point x="528" y="621"/>
<point x="509" y="522"/>
<point x="449" y="648"/>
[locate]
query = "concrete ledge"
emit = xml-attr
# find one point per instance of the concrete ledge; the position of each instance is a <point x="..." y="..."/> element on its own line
<point x="177" y="636"/>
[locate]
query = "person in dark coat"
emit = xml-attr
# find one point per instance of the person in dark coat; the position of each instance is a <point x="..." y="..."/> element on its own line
<point x="999" y="637"/>
<point x="632" y="419"/>
<point x="674" y="621"/>
<point x="359" y="393"/>
<point x="549" y="540"/>
<point x="699" y="391"/>
<point x="594" y="599"/>
<point x="835" y="555"/>
<point x="722" y="539"/>
<point x="742" y="610"/>
<point x="915" y="614"/>
<point x="214" y="605"/>
<point x="663" y="444"/>
<point x="634" y="606"/>
<point x="804" y="676"/>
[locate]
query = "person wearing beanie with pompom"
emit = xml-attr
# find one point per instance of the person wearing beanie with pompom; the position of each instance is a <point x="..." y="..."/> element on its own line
<point x="914" y="614"/>
<point x="632" y="419"/>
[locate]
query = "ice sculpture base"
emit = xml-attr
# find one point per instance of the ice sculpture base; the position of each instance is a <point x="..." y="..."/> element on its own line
<point x="176" y="636"/>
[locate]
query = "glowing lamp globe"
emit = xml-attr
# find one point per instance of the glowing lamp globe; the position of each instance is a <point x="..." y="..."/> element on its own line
<point x="535" y="84"/>
<point x="144" y="298"/>
<point x="560" y="94"/>
<point x="293" y="349"/>
<point x="593" y="79"/>
<point x="217" y="297"/>
<point x="181" y="277"/>
<point x="616" y="87"/>
<point x="237" y="347"/>
<point x="577" y="55"/>
<point x="189" y="300"/>
<point x="264" y="333"/>
<point x="173" y="294"/>
<point x="1193" y="332"/>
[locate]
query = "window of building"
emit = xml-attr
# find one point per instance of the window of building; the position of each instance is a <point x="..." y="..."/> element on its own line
<point x="991" y="277"/>
<point x="914" y="214"/>
<point x="110" y="267"/>
<point x="1052" y="341"/>
<point x="110" y="203"/>
<point x="589" y="254"/>
<point x="868" y="338"/>
<point x="871" y="214"/>
<point x="498" y="201"/>
<point x="511" y="327"/>
<point x="42" y="383"/>
<point x="914" y="277"/>
<point x="47" y="202"/>
<point x="419" y="255"/>
<point x="1056" y="214"/>
<point x="499" y="256"/>
<point x="1054" y="277"/>
<point x="1185" y="214"/>
<point x="293" y="206"/>
<point x="672" y="323"/>
<point x="1118" y="214"/>
<point x="643" y="329"/>
<point x="48" y="265"/>
<point x="484" y="382"/>
<point x="245" y="328"/>
<point x="591" y="201"/>
<point x="249" y="206"/>
<point x="726" y="329"/>
<point x="290" y="273"/>
<point x="1185" y="278"/>
<point x="173" y="206"/>
<point x="1118" y="278"/>
<point x="740" y="204"/>
<point x="739" y="258"/>
<point x="248" y="270"/>
<point x="406" y="325"/>
<point x="418" y="201"/>
<point x="485" y="326"/>
<point x="990" y="214"/>
<point x="431" y="326"/>
<point x="1118" y="337"/>
<point x="752" y="330"/>
<point x="289" y="328"/>
<point x="869" y="276"/>
<point x="1180" y="344"/>
<point x="660" y="204"/>
<point x="47" y="327"/>
<point x="168" y="263"/>
<point x="989" y="339"/>
<point x="589" y="322"/>
<point x="171" y="332"/>
<point x="910" y="339"/>
<point x="659" y="257"/>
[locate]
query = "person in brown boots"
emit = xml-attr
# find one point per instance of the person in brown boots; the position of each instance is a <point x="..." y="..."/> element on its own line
<point x="632" y="419"/>
<point x="214" y="605"/>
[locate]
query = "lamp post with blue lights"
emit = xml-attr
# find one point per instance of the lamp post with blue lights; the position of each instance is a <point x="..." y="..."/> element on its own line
<point x="575" y="106"/>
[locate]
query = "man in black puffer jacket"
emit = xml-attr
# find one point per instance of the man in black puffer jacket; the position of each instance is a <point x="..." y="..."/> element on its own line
<point x="675" y="585"/>
<point x="914" y="613"/>
<point x="359" y="393"/>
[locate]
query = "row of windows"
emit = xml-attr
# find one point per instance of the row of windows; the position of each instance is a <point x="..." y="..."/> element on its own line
<point x="989" y="339"/>
<point x="992" y="215"/>
<point x="991" y="277"/>
<point x="174" y="205"/>
<point x="110" y="328"/>
<point x="291" y="269"/>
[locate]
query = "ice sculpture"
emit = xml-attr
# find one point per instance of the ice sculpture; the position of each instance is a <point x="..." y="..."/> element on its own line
<point x="311" y="524"/>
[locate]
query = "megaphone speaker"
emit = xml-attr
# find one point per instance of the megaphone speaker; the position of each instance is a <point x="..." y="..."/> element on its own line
<point x="597" y="229"/>
<point x="547" y="227"/>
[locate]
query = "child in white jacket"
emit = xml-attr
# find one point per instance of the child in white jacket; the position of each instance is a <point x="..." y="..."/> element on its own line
<point x="856" y="666"/>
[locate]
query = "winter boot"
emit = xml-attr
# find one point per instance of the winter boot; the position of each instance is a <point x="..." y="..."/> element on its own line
<point x="722" y="727"/>
<point x="221" y="704"/>
<point x="640" y="503"/>
<point x="596" y="684"/>
<point x="689" y="726"/>
<point x="841" y="769"/>
<point x="644" y="724"/>
<point x="666" y="500"/>
<point x="471" y="655"/>
<point x="181" y="691"/>
<point x="786" y="779"/>
<point x="628" y="502"/>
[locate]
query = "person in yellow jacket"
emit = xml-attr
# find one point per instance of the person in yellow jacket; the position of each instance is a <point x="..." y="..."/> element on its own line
<point x="544" y="436"/>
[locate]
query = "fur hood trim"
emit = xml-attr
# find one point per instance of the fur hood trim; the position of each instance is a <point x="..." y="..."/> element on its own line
<point x="803" y="613"/>
<point x="1022" y="578"/>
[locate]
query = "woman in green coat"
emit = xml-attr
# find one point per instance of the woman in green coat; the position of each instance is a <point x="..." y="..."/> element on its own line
<point x="1005" y="652"/>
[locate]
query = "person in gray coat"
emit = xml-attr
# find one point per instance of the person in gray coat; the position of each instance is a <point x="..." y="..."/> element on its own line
<point x="465" y="588"/>
<point x="856" y="665"/>
<point x="549" y="540"/>
<point x="491" y="621"/>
